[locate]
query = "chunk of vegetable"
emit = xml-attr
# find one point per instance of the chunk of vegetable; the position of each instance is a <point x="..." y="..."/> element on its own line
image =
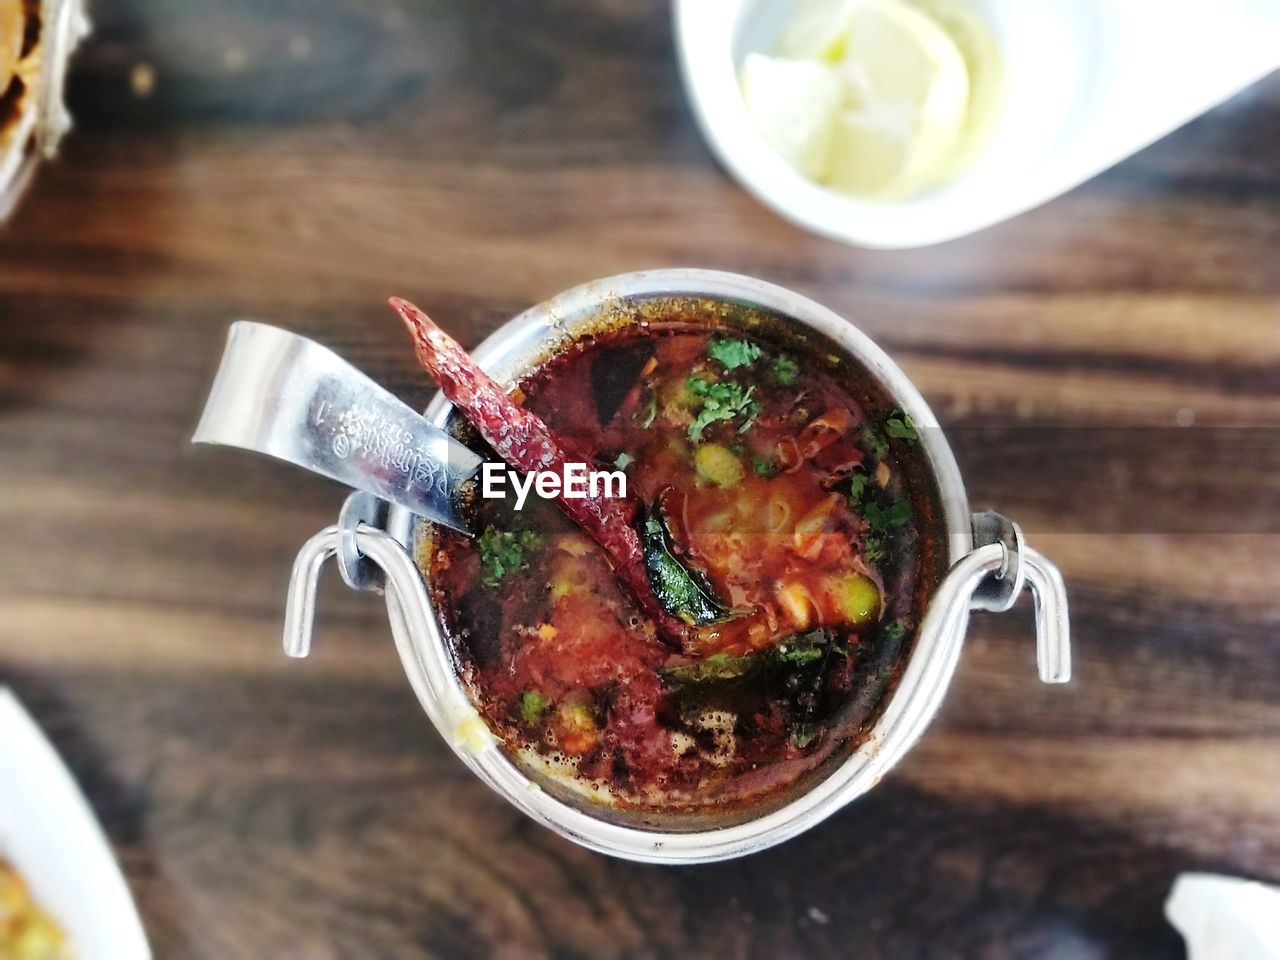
<point x="719" y="666"/>
<point x="796" y="603"/>
<point x="648" y="410"/>
<point x="855" y="596"/>
<point x="813" y="528"/>
<point x="823" y="431"/>
<point x="884" y="473"/>
<point x="533" y="705"/>
<point x="576" y="729"/>
<point x="715" y="464"/>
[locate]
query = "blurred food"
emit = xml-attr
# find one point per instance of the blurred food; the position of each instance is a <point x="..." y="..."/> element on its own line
<point x="11" y="21"/>
<point x="878" y="98"/>
<point x="36" y="41"/>
<point x="19" y="62"/>
<point x="983" y="60"/>
<point x="19" y="80"/>
<point x="26" y="931"/>
<point x="795" y="103"/>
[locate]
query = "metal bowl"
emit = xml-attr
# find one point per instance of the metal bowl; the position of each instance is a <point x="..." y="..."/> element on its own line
<point x="988" y="567"/>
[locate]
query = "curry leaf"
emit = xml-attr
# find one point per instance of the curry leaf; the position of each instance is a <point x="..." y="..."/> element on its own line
<point x="683" y="592"/>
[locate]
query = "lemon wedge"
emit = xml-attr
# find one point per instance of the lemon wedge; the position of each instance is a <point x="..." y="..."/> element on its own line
<point x="795" y="104"/>
<point x="879" y="98"/>
<point x="871" y="152"/>
<point x="817" y="30"/>
<point x="908" y="95"/>
<point x="985" y="63"/>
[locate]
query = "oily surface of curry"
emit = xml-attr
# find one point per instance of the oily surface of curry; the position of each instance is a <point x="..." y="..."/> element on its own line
<point x="771" y="490"/>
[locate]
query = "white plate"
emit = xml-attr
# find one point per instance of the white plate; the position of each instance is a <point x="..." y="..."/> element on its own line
<point x="49" y="834"/>
<point x="1089" y="83"/>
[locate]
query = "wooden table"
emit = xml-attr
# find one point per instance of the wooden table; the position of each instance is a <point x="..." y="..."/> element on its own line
<point x="298" y="163"/>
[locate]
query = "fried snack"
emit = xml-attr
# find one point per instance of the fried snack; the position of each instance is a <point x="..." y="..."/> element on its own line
<point x="27" y="932"/>
<point x="20" y="57"/>
<point x="12" y="24"/>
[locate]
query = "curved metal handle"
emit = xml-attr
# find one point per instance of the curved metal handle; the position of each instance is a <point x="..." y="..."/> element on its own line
<point x="384" y="550"/>
<point x="948" y="608"/>
<point x="950" y="605"/>
<point x="407" y="605"/>
<point x="1053" y="627"/>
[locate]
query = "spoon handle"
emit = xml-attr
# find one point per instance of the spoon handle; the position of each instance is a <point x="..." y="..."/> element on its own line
<point x="288" y="397"/>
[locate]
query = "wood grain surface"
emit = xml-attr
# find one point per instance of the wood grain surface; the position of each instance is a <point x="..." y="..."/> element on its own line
<point x="1108" y="367"/>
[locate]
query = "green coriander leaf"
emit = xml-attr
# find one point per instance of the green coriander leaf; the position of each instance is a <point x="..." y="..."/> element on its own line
<point x="765" y="467"/>
<point x="875" y="443"/>
<point x="873" y="549"/>
<point x="858" y="488"/>
<point x="784" y="370"/>
<point x="732" y="353"/>
<point x="800" y="655"/>
<point x="532" y="706"/>
<point x="503" y="552"/>
<point x="884" y="519"/>
<point x="720" y="402"/>
<point x="895" y="631"/>
<point x="899" y="426"/>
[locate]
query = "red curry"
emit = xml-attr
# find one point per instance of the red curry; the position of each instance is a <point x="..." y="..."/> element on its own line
<point x="779" y="525"/>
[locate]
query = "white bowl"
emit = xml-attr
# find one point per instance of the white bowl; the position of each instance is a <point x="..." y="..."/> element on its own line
<point x="1089" y="83"/>
<point x="49" y="834"/>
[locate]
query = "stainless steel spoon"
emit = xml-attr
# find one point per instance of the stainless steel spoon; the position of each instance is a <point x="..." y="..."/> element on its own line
<point x="286" y="396"/>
